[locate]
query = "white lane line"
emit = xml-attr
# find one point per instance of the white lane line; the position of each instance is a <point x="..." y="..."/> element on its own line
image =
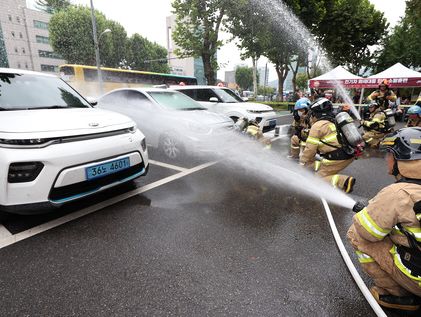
<point x="373" y="303"/>
<point x="4" y="233"/>
<point x="173" y="167"/>
<point x="106" y="203"/>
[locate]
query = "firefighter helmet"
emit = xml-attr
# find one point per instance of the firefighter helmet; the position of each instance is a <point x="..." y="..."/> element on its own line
<point x="302" y="103"/>
<point x="384" y="82"/>
<point x="414" y="110"/>
<point x="404" y="144"/>
<point x="322" y="107"/>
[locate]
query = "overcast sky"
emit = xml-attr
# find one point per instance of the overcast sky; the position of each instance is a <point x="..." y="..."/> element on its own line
<point x="147" y="17"/>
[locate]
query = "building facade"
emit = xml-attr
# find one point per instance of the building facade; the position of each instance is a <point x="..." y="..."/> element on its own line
<point x="182" y="66"/>
<point x="24" y="40"/>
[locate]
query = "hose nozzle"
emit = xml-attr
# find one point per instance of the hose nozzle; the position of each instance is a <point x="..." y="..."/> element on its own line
<point x="358" y="206"/>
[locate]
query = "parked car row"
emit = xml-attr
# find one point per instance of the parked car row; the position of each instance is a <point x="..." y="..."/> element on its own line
<point x="57" y="147"/>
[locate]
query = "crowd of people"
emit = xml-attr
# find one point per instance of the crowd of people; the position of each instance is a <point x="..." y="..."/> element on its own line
<point x="386" y="233"/>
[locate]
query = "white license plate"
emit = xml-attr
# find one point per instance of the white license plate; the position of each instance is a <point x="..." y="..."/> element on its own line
<point x="104" y="169"/>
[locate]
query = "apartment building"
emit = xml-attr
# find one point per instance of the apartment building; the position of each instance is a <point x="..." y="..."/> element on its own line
<point x="24" y="40"/>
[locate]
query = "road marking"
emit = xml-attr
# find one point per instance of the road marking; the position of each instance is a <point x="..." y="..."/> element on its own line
<point x="4" y="233"/>
<point x="370" y="299"/>
<point x="11" y="239"/>
<point x="173" y="167"/>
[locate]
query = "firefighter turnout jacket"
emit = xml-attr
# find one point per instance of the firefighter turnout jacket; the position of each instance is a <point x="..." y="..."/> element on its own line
<point x="378" y="238"/>
<point x="323" y="140"/>
<point x="382" y="97"/>
<point x="300" y="130"/>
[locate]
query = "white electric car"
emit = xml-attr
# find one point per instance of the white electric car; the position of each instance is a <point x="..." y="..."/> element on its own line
<point x="225" y="101"/>
<point x="55" y="147"/>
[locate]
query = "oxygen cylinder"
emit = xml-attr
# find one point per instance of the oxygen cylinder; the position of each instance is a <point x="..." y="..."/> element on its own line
<point x="390" y="117"/>
<point x="241" y="124"/>
<point x="348" y="128"/>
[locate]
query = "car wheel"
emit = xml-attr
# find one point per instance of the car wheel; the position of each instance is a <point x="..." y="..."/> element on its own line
<point x="171" y="147"/>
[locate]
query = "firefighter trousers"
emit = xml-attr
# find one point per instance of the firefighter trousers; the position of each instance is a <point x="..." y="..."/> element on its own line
<point x="329" y="170"/>
<point x="377" y="261"/>
<point x="373" y="138"/>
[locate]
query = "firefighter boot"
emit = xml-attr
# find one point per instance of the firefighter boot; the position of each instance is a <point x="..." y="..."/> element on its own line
<point x="349" y="184"/>
<point x="410" y="303"/>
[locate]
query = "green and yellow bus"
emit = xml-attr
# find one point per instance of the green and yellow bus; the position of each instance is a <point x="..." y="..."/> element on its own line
<point x="85" y="78"/>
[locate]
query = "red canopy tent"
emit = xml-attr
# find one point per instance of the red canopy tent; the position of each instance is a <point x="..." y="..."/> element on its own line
<point x="335" y="77"/>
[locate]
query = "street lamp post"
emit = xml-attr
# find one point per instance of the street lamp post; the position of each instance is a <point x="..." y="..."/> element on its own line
<point x="96" y="45"/>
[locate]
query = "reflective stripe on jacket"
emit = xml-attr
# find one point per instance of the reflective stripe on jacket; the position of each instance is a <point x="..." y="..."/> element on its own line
<point x="321" y="132"/>
<point x="391" y="206"/>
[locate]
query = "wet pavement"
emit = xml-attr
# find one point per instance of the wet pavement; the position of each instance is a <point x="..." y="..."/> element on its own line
<point x="216" y="242"/>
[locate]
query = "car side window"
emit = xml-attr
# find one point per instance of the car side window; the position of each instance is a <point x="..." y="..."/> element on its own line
<point x="114" y="97"/>
<point x="192" y="93"/>
<point x="205" y="94"/>
<point x="136" y="99"/>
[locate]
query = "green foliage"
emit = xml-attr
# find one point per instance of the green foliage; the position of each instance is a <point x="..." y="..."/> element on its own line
<point x="265" y="90"/>
<point x="244" y="77"/>
<point x="404" y="44"/>
<point x="145" y="55"/>
<point x="71" y="36"/>
<point x="51" y="6"/>
<point x="197" y="30"/>
<point x="302" y="81"/>
<point x="347" y="31"/>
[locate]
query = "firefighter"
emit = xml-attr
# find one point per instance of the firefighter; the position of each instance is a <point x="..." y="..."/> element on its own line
<point x="383" y="95"/>
<point x="323" y="140"/>
<point x="414" y="116"/>
<point x="375" y="127"/>
<point x="300" y="126"/>
<point x="254" y="131"/>
<point x="387" y="234"/>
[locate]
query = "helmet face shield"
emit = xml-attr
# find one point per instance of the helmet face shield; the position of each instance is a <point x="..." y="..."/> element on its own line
<point x="405" y="144"/>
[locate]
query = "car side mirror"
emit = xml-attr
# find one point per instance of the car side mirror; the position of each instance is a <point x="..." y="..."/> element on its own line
<point x="213" y="99"/>
<point x="245" y="98"/>
<point x="92" y="101"/>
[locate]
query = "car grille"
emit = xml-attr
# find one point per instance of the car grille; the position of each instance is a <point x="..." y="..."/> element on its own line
<point x="78" y="190"/>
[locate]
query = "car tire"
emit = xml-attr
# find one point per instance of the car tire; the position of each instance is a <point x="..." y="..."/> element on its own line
<point x="171" y="146"/>
<point x="235" y="119"/>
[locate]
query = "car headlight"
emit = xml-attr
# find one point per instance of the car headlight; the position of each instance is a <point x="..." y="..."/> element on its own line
<point x="254" y="111"/>
<point x="27" y="143"/>
<point x="24" y="172"/>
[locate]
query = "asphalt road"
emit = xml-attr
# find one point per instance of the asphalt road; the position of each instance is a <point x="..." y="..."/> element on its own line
<point x="215" y="242"/>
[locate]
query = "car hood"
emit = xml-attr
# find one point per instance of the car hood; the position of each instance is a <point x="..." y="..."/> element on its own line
<point x="46" y="123"/>
<point x="257" y="106"/>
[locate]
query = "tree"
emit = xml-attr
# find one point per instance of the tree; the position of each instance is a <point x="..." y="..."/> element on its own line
<point x="52" y="6"/>
<point x="348" y="30"/>
<point x="265" y="90"/>
<point x="197" y="29"/>
<point x="71" y="35"/>
<point x="244" y="77"/>
<point x="302" y="81"/>
<point x="404" y="44"/>
<point x="145" y="55"/>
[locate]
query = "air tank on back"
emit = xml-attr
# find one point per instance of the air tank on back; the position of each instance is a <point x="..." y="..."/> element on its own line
<point x="348" y="128"/>
<point x="390" y="117"/>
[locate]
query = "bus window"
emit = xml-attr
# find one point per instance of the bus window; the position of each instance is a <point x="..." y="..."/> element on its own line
<point x="67" y="73"/>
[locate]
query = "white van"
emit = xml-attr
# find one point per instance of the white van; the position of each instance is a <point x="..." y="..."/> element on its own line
<point x="55" y="147"/>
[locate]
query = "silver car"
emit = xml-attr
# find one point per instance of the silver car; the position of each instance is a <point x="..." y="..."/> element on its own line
<point x="171" y="121"/>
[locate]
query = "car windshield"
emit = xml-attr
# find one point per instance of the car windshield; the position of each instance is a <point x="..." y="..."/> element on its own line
<point x="175" y="100"/>
<point x="228" y="96"/>
<point x="29" y="91"/>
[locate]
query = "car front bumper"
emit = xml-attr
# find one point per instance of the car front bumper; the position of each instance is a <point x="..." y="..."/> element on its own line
<point x="63" y="177"/>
